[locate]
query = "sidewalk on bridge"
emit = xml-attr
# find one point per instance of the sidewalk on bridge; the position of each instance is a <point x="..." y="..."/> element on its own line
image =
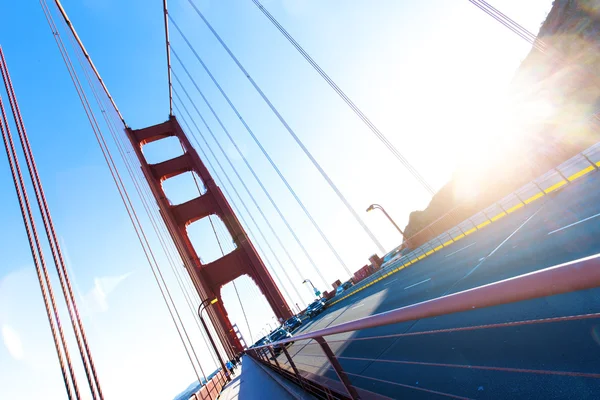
<point x="254" y="381"/>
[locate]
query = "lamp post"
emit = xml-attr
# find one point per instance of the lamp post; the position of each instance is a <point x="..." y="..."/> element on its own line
<point x="374" y="206"/>
<point x="317" y="292"/>
<point x="201" y="308"/>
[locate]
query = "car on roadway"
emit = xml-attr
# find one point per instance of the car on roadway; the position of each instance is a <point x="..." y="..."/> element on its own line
<point x="292" y="323"/>
<point x="261" y="342"/>
<point x="277" y="335"/>
<point x="390" y="258"/>
<point x="315" y="308"/>
<point x="343" y="287"/>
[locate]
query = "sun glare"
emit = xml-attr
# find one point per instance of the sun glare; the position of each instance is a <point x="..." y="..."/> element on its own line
<point x="492" y="138"/>
<point x="12" y="341"/>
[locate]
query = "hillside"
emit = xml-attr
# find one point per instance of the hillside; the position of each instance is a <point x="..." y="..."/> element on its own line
<point x="565" y="79"/>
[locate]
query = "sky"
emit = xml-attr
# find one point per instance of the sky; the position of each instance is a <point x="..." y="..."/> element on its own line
<point x="426" y="73"/>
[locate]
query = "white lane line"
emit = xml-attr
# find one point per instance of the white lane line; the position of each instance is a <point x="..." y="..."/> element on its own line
<point x="466" y="247"/>
<point x="516" y="230"/>
<point x="331" y="316"/>
<point x="574" y="223"/>
<point x="481" y="261"/>
<point x="360" y="305"/>
<point x="418" y="283"/>
<point x="387" y="283"/>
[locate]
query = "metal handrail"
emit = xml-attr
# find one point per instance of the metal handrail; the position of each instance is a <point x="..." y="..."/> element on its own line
<point x="581" y="274"/>
<point x="564" y="278"/>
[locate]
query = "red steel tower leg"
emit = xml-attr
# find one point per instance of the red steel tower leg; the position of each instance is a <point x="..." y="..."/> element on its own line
<point x="208" y="278"/>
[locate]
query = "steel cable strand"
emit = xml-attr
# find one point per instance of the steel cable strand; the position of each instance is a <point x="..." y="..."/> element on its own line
<point x="277" y="238"/>
<point x="56" y="251"/>
<point x="259" y="144"/>
<point x="255" y="241"/>
<point x="412" y="170"/>
<point x="243" y="185"/>
<point x="255" y="176"/>
<point x="118" y="182"/>
<point x="144" y="204"/>
<point x="46" y="292"/>
<point x="293" y="134"/>
<point x="258" y="180"/>
<point x="150" y="215"/>
<point x="237" y="194"/>
<point x="142" y="179"/>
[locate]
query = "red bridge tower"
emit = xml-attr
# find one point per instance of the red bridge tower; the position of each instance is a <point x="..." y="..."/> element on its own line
<point x="208" y="278"/>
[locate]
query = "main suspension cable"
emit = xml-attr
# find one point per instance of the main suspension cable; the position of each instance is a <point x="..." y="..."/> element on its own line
<point x="55" y="248"/>
<point x="411" y="169"/>
<point x="151" y="215"/>
<point x="47" y="293"/>
<point x="299" y="142"/>
<point x="115" y="173"/>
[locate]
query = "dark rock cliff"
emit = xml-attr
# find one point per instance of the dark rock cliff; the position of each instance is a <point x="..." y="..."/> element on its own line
<point x="565" y="79"/>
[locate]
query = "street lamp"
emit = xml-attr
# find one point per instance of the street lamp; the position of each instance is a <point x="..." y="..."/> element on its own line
<point x="374" y="206"/>
<point x="317" y="293"/>
<point x="201" y="308"/>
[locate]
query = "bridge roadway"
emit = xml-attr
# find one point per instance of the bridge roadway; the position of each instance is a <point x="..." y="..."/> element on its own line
<point x="535" y="237"/>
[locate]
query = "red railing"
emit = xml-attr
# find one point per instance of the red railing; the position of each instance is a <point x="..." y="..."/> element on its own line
<point x="321" y="372"/>
<point x="212" y="389"/>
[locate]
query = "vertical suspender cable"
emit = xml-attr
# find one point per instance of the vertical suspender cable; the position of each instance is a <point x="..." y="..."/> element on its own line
<point x="38" y="260"/>
<point x="145" y="203"/>
<point x="116" y="177"/>
<point x="233" y="282"/>
<point x="258" y="143"/>
<point x="260" y="183"/>
<point x="412" y="170"/>
<point x="235" y="171"/>
<point x="57" y="255"/>
<point x="168" y="45"/>
<point x="240" y="198"/>
<point x="253" y="174"/>
<point x="292" y="133"/>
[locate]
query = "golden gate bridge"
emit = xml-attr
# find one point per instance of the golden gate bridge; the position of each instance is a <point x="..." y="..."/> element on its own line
<point x="240" y="254"/>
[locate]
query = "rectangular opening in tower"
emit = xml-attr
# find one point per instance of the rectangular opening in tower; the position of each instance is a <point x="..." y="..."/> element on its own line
<point x="162" y="150"/>
<point x="210" y="238"/>
<point x="183" y="187"/>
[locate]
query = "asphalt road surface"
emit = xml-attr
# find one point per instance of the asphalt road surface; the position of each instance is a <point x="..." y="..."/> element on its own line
<point x="561" y="227"/>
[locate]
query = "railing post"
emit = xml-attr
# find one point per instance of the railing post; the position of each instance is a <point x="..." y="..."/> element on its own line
<point x="274" y="357"/>
<point x="487" y="216"/>
<point x="562" y="175"/>
<point x="502" y="208"/>
<point x="519" y="197"/>
<point x="472" y="223"/>
<point x="590" y="161"/>
<point x="266" y="355"/>
<point x="337" y="367"/>
<point x="289" y="358"/>
<point x="262" y="355"/>
<point x="539" y="187"/>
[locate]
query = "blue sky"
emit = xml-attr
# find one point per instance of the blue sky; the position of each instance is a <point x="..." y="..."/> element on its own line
<point x="426" y="73"/>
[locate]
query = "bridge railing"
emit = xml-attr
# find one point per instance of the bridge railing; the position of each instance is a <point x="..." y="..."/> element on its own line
<point x="353" y="360"/>
<point x="212" y="389"/>
<point x="570" y="170"/>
